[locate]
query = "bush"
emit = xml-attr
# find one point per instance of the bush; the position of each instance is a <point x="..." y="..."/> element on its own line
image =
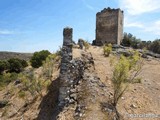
<point x="12" y="65"/>
<point x="24" y="63"/>
<point x="125" y="71"/>
<point x="107" y="49"/>
<point x="33" y="84"/>
<point x="86" y="44"/>
<point x="6" y="78"/>
<point x="127" y="39"/>
<point x="48" y="65"/>
<point x="15" y="65"/>
<point x="21" y="94"/>
<point x="155" y="46"/>
<point x="130" y="41"/>
<point x="4" y="65"/>
<point x="38" y="58"/>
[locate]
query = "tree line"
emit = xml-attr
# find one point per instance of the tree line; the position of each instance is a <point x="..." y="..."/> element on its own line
<point x="131" y="41"/>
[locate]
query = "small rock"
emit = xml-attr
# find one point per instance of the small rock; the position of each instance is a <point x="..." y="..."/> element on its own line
<point x="80" y="114"/>
<point x="122" y="98"/>
<point x="71" y="101"/>
<point x="73" y="90"/>
<point x="133" y="106"/>
<point x="111" y="93"/>
<point x="17" y="82"/>
<point x="157" y="88"/>
<point x="3" y="103"/>
<point x="73" y="96"/>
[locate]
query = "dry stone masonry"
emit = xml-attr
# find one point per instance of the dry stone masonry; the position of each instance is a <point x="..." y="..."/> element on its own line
<point x="71" y="71"/>
<point x="109" y="27"/>
<point x="65" y="81"/>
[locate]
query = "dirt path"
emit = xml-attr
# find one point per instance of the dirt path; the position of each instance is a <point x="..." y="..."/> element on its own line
<point x="102" y="64"/>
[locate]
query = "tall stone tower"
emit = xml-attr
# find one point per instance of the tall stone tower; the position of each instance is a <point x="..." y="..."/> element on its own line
<point x="109" y="27"/>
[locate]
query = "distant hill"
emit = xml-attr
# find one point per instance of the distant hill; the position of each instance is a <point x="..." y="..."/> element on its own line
<point x="7" y="55"/>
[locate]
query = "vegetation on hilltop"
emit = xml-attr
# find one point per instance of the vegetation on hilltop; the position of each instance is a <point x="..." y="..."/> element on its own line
<point x="131" y="41"/>
<point x="38" y="58"/>
<point x="125" y="71"/>
<point x="107" y="49"/>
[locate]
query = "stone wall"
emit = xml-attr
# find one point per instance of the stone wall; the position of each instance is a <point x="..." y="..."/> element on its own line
<point x="109" y="26"/>
<point x="64" y="77"/>
<point x="71" y="71"/>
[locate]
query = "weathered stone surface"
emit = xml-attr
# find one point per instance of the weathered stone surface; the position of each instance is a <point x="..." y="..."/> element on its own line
<point x="71" y="71"/>
<point x="109" y="26"/>
<point x="80" y="43"/>
<point x="65" y="81"/>
<point x="67" y="36"/>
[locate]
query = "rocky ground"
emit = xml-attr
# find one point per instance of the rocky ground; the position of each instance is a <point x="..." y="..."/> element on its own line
<point x="141" y="98"/>
<point x="94" y="93"/>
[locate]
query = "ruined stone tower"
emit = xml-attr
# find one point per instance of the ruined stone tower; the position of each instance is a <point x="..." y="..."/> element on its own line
<point x="109" y="27"/>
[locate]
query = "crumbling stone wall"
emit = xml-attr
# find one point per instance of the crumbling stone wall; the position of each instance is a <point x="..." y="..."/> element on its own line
<point x="71" y="71"/>
<point x="64" y="77"/>
<point x="109" y="26"/>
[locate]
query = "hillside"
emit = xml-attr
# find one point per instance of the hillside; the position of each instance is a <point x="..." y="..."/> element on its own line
<point x="7" y="55"/>
<point x="95" y="91"/>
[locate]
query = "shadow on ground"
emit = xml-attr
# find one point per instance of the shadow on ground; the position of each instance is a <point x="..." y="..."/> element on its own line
<point x="48" y="106"/>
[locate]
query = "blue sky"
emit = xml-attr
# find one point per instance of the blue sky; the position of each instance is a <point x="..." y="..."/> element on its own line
<point x="33" y="25"/>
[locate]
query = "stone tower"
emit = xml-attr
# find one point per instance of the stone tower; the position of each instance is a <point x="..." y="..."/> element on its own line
<point x="109" y="27"/>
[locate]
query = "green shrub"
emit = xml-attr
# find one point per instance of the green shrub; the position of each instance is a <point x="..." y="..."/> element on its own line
<point x="24" y="63"/>
<point x="15" y="65"/>
<point x="125" y="71"/>
<point x="155" y="46"/>
<point x="38" y="58"/>
<point x="107" y="49"/>
<point x="6" y="78"/>
<point x="12" y="65"/>
<point x="130" y="41"/>
<point x="21" y="94"/>
<point x="86" y="44"/>
<point x="48" y="65"/>
<point x="4" y="65"/>
<point x="33" y="84"/>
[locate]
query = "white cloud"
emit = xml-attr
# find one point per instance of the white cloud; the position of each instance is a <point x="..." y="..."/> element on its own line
<point x="154" y="27"/>
<point x="6" y="32"/>
<point x="132" y="23"/>
<point x="137" y="7"/>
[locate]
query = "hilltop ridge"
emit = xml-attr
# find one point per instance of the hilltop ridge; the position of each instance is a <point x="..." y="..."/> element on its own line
<point x="4" y="55"/>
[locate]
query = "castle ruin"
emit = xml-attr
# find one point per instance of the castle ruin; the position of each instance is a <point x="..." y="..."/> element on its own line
<point x="109" y="27"/>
